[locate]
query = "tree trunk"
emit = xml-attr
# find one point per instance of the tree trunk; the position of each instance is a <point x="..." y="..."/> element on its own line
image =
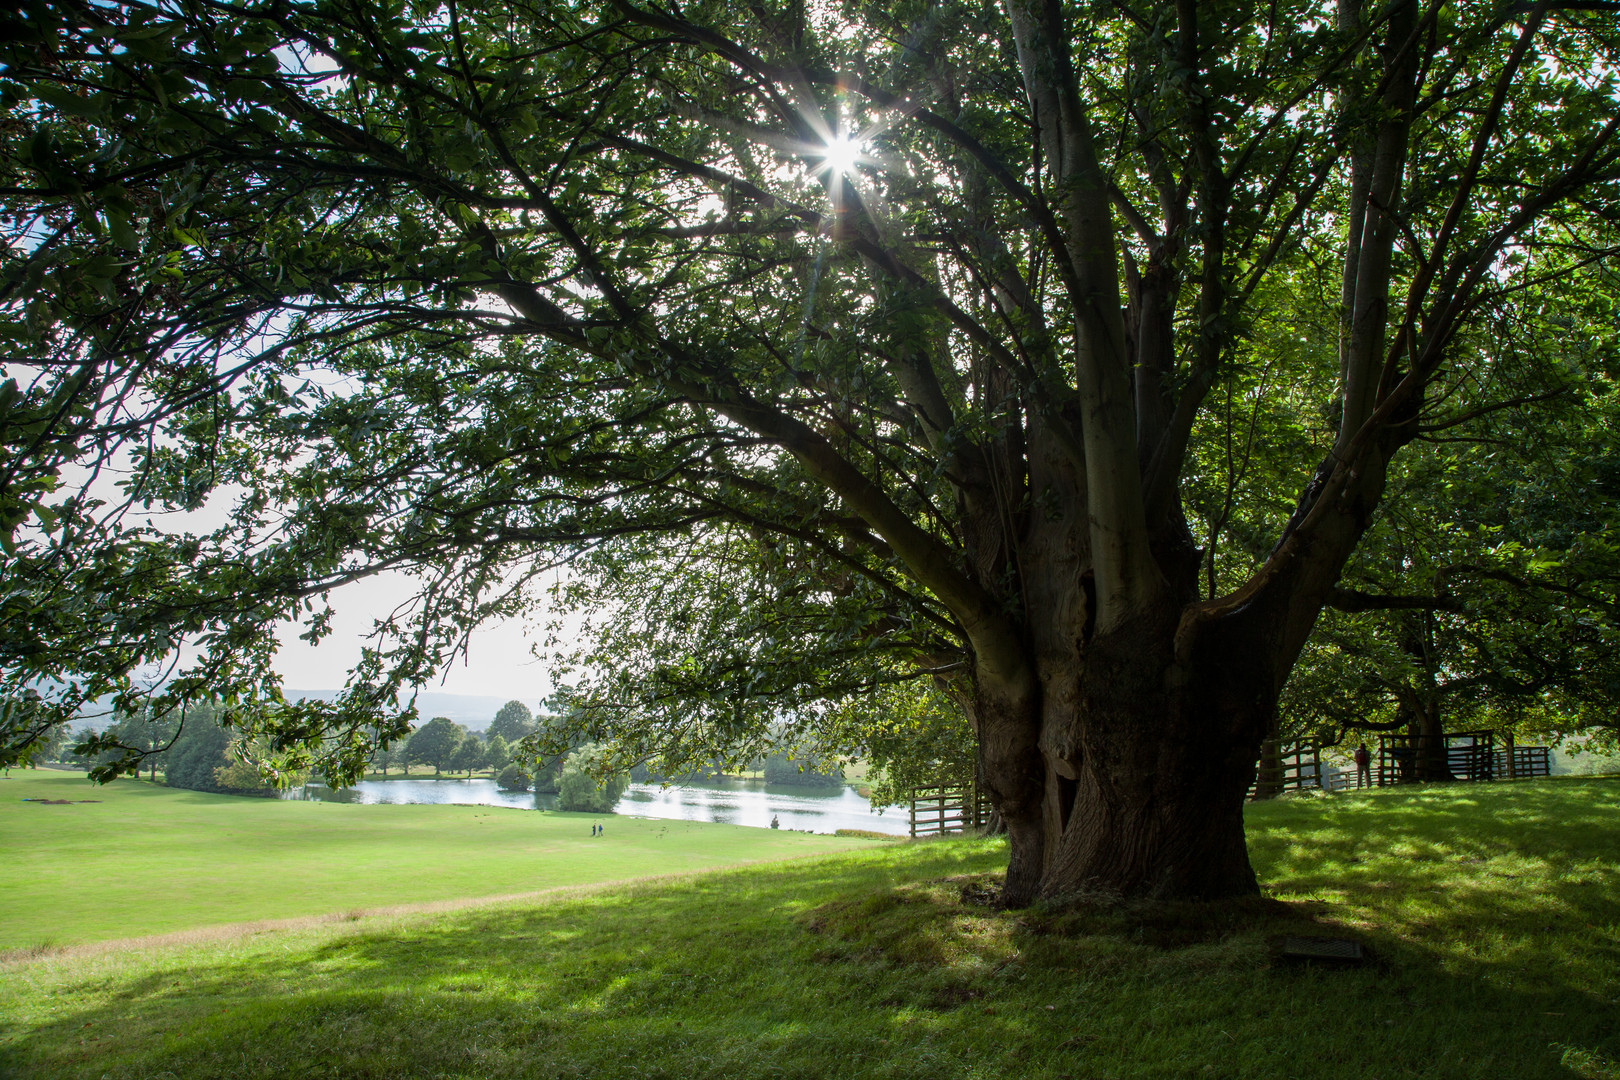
<point x="1429" y="739"/>
<point x="1170" y="831"/>
<point x="1013" y="775"/>
<point x="1137" y="785"/>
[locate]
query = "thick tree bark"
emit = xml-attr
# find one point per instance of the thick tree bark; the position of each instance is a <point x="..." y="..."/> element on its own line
<point x="1147" y="738"/>
<point x="1121" y="769"/>
<point x="1010" y="765"/>
<point x="1167" y="753"/>
<point x="1136" y="788"/>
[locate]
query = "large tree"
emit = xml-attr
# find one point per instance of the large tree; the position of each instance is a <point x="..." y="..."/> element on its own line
<point x="152" y="736"/>
<point x="904" y="329"/>
<point x="436" y="743"/>
<point x="202" y="749"/>
<point x="512" y="722"/>
<point x="1487" y="597"/>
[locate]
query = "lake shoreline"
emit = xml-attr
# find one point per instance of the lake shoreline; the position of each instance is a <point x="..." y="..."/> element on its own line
<point x="731" y="801"/>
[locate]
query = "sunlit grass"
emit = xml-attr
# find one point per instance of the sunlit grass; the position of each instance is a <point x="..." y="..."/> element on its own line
<point x="1490" y="915"/>
<point x="88" y="871"/>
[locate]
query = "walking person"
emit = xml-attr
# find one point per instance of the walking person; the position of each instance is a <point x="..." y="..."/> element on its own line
<point x="1363" y="766"/>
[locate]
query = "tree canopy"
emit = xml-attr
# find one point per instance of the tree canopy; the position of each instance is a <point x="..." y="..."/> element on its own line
<point x="435" y="743"/>
<point x="201" y="750"/>
<point x="1503" y="549"/>
<point x="470" y="754"/>
<point x="512" y="722"/>
<point x="828" y="346"/>
<point x="588" y="783"/>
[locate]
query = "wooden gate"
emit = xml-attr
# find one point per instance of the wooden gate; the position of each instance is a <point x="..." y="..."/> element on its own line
<point x="948" y="808"/>
<point x="1523" y="763"/>
<point x="1467" y="755"/>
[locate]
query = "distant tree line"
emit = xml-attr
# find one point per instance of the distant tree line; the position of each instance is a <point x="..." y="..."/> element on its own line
<point x="797" y="768"/>
<point x="192" y="750"/>
<point x="196" y="751"/>
<point x="580" y="775"/>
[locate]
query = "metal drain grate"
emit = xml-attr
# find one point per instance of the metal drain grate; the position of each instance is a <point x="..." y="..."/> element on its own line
<point x="1313" y="948"/>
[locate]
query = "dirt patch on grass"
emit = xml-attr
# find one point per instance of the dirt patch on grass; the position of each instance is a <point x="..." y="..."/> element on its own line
<point x="982" y="892"/>
<point x="953" y="996"/>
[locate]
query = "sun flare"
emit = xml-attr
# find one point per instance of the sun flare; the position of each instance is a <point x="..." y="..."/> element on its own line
<point x="841" y="154"/>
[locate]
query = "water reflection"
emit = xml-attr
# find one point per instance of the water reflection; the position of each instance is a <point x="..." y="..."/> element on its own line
<point x="729" y="801"/>
<point x="754" y="803"/>
<point x="460" y="792"/>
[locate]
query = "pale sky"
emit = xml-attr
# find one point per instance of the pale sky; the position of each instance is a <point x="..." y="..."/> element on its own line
<point x="499" y="662"/>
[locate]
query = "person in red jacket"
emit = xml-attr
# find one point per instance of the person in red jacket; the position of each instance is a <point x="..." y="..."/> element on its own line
<point x="1363" y="766"/>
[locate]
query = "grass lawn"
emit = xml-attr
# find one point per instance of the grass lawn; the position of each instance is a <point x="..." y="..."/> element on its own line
<point x="146" y="859"/>
<point x="1490" y="913"/>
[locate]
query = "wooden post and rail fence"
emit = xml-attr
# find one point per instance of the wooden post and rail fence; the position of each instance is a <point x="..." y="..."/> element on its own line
<point x="1458" y="755"/>
<point x="948" y="808"/>
<point x="1463" y="755"/>
<point x="939" y="809"/>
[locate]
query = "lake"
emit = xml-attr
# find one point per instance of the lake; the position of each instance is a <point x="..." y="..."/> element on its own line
<point x="728" y="801"/>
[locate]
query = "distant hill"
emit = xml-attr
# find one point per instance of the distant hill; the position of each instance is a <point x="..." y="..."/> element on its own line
<point x="472" y="711"/>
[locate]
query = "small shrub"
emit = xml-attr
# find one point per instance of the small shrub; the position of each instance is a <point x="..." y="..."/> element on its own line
<point x="238" y="777"/>
<point x="513" y="778"/>
<point x="586" y="785"/>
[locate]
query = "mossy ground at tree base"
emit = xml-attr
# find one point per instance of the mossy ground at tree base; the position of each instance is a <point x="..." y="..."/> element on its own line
<point x="1490" y="915"/>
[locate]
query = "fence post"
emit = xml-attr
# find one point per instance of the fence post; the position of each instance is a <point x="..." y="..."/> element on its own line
<point x="1268" y="778"/>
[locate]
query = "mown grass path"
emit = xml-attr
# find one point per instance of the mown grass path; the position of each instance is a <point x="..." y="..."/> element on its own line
<point x="1492" y="915"/>
<point x="145" y="859"/>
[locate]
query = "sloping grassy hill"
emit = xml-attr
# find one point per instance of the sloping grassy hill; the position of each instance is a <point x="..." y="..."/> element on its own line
<point x="1490" y="912"/>
<point x="145" y="859"/>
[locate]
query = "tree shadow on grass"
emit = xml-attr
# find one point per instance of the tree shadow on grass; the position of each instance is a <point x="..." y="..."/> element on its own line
<point x="1520" y="879"/>
<point x="877" y="966"/>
